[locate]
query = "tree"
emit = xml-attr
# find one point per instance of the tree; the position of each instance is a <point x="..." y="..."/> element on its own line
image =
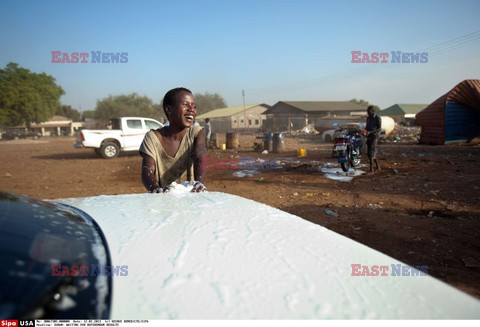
<point x="69" y="112"/>
<point x="27" y="97"/>
<point x="365" y="104"/>
<point x="159" y="109"/>
<point x="3" y="116"/>
<point x="88" y="114"/>
<point x="208" y="101"/>
<point x="127" y="105"/>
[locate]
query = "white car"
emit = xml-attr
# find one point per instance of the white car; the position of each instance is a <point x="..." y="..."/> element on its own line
<point x="126" y="134"/>
<point x="185" y="255"/>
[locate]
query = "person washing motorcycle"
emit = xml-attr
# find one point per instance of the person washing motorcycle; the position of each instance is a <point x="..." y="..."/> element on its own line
<point x="372" y="132"/>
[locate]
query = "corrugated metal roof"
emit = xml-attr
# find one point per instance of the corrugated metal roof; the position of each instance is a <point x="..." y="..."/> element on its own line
<point x="230" y="111"/>
<point x="318" y="106"/>
<point x="433" y="118"/>
<point x="466" y="93"/>
<point x="402" y="109"/>
<point x="325" y="105"/>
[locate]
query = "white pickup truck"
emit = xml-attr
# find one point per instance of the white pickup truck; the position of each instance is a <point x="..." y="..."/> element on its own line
<point x="127" y="134"/>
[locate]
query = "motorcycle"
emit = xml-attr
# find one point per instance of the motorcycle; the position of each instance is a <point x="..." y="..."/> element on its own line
<point x="347" y="146"/>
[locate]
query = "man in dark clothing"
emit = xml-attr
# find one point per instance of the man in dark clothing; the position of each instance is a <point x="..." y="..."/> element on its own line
<point x="374" y="125"/>
<point x="208" y="132"/>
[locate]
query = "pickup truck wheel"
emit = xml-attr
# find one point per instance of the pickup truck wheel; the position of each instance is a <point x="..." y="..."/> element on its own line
<point x="109" y="150"/>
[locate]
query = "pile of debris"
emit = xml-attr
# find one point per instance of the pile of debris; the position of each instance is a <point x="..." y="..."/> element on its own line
<point x="309" y="129"/>
<point x="405" y="134"/>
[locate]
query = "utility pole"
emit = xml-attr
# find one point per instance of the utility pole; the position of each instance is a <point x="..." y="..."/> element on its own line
<point x="244" y="113"/>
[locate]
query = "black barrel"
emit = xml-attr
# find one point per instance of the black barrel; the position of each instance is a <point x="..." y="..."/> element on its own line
<point x="268" y="142"/>
<point x="232" y="141"/>
<point x="278" y="143"/>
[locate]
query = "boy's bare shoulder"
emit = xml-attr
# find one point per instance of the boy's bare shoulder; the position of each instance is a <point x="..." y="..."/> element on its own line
<point x="196" y="130"/>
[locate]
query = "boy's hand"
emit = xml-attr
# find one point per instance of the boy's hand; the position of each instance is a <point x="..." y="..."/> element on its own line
<point x="199" y="187"/>
<point x="160" y="190"/>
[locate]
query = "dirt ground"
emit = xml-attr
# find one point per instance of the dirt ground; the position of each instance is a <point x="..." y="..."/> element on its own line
<point x="423" y="208"/>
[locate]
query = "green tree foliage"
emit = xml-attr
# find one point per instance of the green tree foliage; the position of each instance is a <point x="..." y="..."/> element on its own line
<point x="88" y="114"/>
<point x="365" y="104"/>
<point x="127" y="105"/>
<point x="68" y="111"/>
<point x="159" y="109"/>
<point x="3" y="117"/>
<point x="27" y="97"/>
<point x="208" y="101"/>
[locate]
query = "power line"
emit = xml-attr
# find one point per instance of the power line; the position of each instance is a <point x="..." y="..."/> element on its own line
<point x="440" y="48"/>
<point x="454" y="46"/>
<point x="457" y="39"/>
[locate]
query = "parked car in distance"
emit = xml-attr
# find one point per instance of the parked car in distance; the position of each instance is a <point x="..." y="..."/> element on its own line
<point x="124" y="134"/>
<point x="388" y="125"/>
<point x="20" y="134"/>
<point x="329" y="135"/>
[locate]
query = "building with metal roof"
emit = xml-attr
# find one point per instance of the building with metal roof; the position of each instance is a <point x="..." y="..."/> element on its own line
<point x="401" y="112"/>
<point x="249" y="118"/>
<point x="454" y="117"/>
<point x="54" y="126"/>
<point x="295" y="115"/>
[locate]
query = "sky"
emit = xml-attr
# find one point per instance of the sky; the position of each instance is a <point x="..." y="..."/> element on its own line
<point x="273" y="50"/>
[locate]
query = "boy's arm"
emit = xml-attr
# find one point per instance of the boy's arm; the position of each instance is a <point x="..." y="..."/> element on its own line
<point x="198" y="155"/>
<point x="379" y="126"/>
<point x="148" y="174"/>
<point x="379" y="123"/>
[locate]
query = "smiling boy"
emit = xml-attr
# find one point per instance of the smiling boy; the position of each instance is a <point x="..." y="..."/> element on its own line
<point x="174" y="153"/>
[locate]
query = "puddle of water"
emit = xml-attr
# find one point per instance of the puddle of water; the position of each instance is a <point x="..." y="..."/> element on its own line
<point x="338" y="174"/>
